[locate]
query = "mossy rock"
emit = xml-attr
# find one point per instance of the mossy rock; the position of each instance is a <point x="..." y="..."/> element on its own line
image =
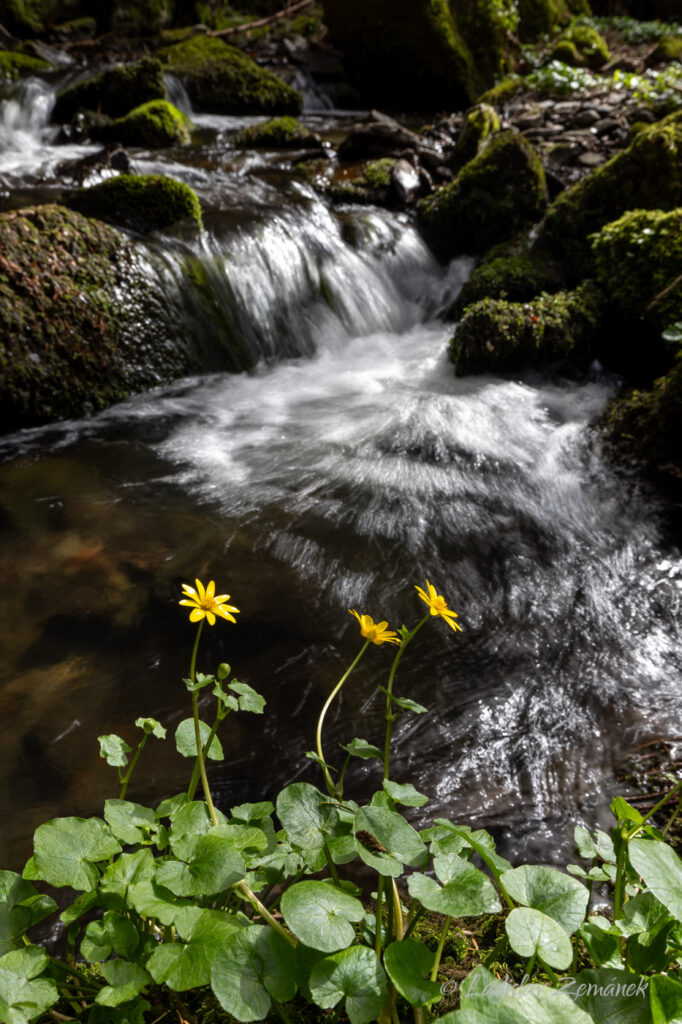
<point x="75" y="29"/>
<point x="647" y="175"/>
<point x="154" y="125"/>
<point x="80" y="325"/>
<point x="277" y="133"/>
<point x="23" y="17"/>
<point x="17" y="65"/>
<point x="144" y="202"/>
<point x="508" y="271"/>
<point x="480" y="124"/>
<point x="220" y="79"/>
<point x="555" y="331"/>
<point x="590" y="47"/>
<point x="638" y="262"/>
<point x="503" y="92"/>
<point x="646" y="426"/>
<point x="497" y="195"/>
<point x="668" y="50"/>
<point x="113" y="92"/>
<point x="372" y="187"/>
<point x="541" y="17"/>
<point x="404" y="54"/>
<point x="141" y="17"/>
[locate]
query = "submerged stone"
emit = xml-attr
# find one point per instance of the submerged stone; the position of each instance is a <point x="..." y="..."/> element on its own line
<point x="220" y="79"/>
<point x="499" y="193"/>
<point x="140" y="202"/>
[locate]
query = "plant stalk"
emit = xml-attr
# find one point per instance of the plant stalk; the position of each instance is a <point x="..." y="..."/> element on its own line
<point x="331" y="788"/>
<point x="390" y="717"/>
<point x="440" y="948"/>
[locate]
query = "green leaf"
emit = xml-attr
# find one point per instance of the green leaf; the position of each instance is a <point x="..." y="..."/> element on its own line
<point x="23" y="996"/>
<point x="254" y="965"/>
<point x="226" y="700"/>
<point x="80" y="906"/>
<point x="249" y="700"/>
<point x="665" y="995"/>
<point x="151" y="900"/>
<point x="151" y="726"/>
<point x="170" y="807"/>
<point x="661" y="869"/>
<point x="405" y="704"/>
<point x="131" y="1012"/>
<point x="213" y="866"/>
<point x="306" y="815"/>
<point x="467" y="893"/>
<point x="376" y="827"/>
<point x="603" y="947"/>
<point x="126" y="870"/>
<point x="200" y="682"/>
<point x="186" y="743"/>
<point x="355" y="974"/>
<point x="114" y="750"/>
<point x="320" y="915"/>
<point x="406" y="963"/>
<point x="405" y="793"/>
<point x="609" y="995"/>
<point x="187" y="965"/>
<point x="561" y="897"/>
<point x="485" y="999"/>
<point x="21" y="906"/>
<point x="67" y="849"/>
<point x="252" y="813"/>
<point x="673" y="333"/>
<point x="531" y="933"/>
<point x="363" y="749"/>
<point x="482" y="843"/>
<point x="623" y="811"/>
<point x="126" y="981"/>
<point x="131" y="823"/>
<point x="190" y="822"/>
<point x="114" y="932"/>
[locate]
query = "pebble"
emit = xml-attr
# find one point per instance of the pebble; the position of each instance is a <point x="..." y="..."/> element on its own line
<point x="591" y="159"/>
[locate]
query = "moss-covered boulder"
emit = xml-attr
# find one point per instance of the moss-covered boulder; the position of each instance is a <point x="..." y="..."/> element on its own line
<point x="550" y="331"/>
<point x="646" y="426"/>
<point x="141" y="17"/>
<point x="668" y="49"/>
<point x="581" y="46"/>
<point x="277" y="133"/>
<point x="404" y="54"/>
<point x="18" y="65"/>
<point x="508" y="271"/>
<point x="140" y="202"/>
<point x="22" y="17"/>
<point x="80" y="325"/>
<point x="154" y="125"/>
<point x="480" y="124"/>
<point x="647" y="175"/>
<point x="220" y="79"/>
<point x="493" y="198"/>
<point x="540" y="17"/>
<point x="113" y="92"/>
<point x="505" y="90"/>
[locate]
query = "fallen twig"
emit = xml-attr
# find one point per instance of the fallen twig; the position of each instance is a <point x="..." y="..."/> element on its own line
<point x="285" y="13"/>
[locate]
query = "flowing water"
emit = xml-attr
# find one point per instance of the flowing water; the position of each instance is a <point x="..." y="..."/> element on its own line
<point x="349" y="466"/>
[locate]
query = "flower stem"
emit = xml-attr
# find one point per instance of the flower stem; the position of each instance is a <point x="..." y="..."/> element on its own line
<point x="379" y="916"/>
<point x="440" y="948"/>
<point x="390" y="717"/>
<point x="197" y="731"/>
<point x="397" y="912"/>
<point x="126" y="778"/>
<point x="265" y="913"/>
<point x="331" y="788"/>
<point x="207" y="746"/>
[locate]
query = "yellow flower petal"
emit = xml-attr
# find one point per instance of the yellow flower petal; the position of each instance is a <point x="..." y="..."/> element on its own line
<point x="196" y="615"/>
<point x="210" y="591"/>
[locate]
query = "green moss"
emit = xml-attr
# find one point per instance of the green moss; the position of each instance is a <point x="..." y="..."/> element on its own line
<point x="141" y="17"/>
<point x="155" y="124"/>
<point x="505" y="337"/>
<point x="222" y="80"/>
<point x="646" y="426"/>
<point x="668" y="49"/>
<point x="383" y="39"/>
<point x="16" y="65"/>
<point x="497" y="195"/>
<point x="80" y="326"/>
<point x="540" y="17"/>
<point x="113" y="92"/>
<point x="278" y="133"/>
<point x="590" y="46"/>
<point x="145" y="202"/>
<point x="377" y="173"/>
<point x="481" y="124"/>
<point x="486" y="26"/>
<point x="501" y="93"/>
<point x="371" y="187"/>
<point x="508" y="271"/>
<point x="647" y="175"/>
<point x="568" y="53"/>
<point x="23" y="17"/>
<point x="76" y="28"/>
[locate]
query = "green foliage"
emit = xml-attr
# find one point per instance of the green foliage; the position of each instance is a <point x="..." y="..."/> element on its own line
<point x="632" y="29"/>
<point x="189" y="904"/>
<point x="16" y="65"/>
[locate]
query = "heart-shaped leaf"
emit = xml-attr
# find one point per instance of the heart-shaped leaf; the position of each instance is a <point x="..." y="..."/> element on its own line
<point x="405" y="793"/>
<point x="354" y="974"/>
<point x="254" y="966"/>
<point x="320" y="915"/>
<point x="386" y="841"/>
<point x="661" y="869"/>
<point x="186" y="741"/>
<point x="125" y="981"/>
<point x="188" y="965"/>
<point x="407" y="962"/>
<point x="561" y="897"/>
<point x="532" y="933"/>
<point x="467" y="893"/>
<point x="213" y="866"/>
<point x="67" y="849"/>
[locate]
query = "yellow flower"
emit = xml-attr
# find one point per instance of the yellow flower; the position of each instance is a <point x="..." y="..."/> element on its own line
<point x="204" y="603"/>
<point x="438" y="605"/>
<point x="375" y="631"/>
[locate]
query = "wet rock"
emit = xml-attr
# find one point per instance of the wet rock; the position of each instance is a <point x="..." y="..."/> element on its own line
<point x="378" y="138"/>
<point x="278" y="133"/>
<point x="480" y="124"/>
<point x="591" y="159"/>
<point x="497" y="194"/>
<point x="114" y="92"/>
<point x="551" y="330"/>
<point x="508" y="271"/>
<point x="220" y="79"/>
<point x="19" y="65"/>
<point x="155" y="125"/>
<point x="406" y="182"/>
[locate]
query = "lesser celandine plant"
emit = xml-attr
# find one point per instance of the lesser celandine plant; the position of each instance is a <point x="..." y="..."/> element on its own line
<point x="170" y="905"/>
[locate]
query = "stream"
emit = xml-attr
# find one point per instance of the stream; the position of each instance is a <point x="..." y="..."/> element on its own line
<point x="348" y="467"/>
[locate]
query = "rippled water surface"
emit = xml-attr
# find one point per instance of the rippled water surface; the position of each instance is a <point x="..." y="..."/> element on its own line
<point x="348" y="467"/>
